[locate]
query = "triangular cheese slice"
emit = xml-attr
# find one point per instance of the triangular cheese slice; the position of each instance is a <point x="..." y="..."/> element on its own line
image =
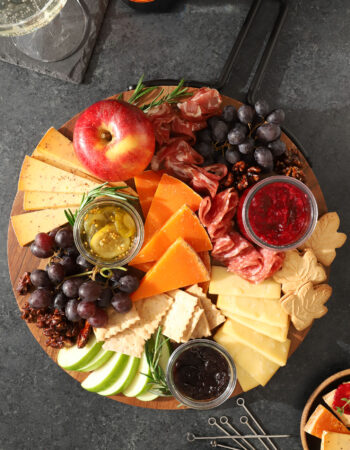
<point x="322" y="420"/>
<point x="146" y="185"/>
<point x="57" y="150"/>
<point x="170" y="195"/>
<point x="27" y="226"/>
<point x="38" y="176"/>
<point x="183" y="223"/>
<point x="47" y="200"/>
<point x="179" y="266"/>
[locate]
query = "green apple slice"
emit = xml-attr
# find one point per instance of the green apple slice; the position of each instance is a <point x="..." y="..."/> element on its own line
<point x="147" y="397"/>
<point x="73" y="358"/>
<point x="125" y="378"/>
<point x="140" y="382"/>
<point x="105" y="376"/>
<point x="98" y="360"/>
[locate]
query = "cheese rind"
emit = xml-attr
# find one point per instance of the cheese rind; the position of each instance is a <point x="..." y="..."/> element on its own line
<point x="38" y="176"/>
<point x="33" y="201"/>
<point x="272" y="331"/>
<point x="253" y="362"/>
<point x="27" y="226"/>
<point x="276" y="351"/>
<point x="227" y="283"/>
<point x="335" y="441"/>
<point x="264" y="310"/>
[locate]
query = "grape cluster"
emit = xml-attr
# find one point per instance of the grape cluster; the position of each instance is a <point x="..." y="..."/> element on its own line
<point x="249" y="134"/>
<point x="65" y="284"/>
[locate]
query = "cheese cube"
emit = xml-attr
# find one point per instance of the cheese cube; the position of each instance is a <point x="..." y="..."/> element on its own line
<point x="224" y="282"/>
<point x="335" y="441"/>
<point x="275" y="351"/>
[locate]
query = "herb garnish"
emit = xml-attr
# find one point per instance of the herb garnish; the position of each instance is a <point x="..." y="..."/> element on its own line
<point x="100" y="191"/>
<point x="341" y="410"/>
<point x="157" y="376"/>
<point x="141" y="91"/>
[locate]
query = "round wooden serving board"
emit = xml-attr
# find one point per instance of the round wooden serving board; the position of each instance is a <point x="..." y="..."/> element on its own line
<point x="310" y="442"/>
<point x="20" y="260"/>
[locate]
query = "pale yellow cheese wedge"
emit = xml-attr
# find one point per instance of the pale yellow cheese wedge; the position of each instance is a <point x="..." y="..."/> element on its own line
<point x="27" y="226"/>
<point x="335" y="441"/>
<point x="265" y="310"/>
<point x="38" y="176"/>
<point x="246" y="381"/>
<point x="253" y="362"/>
<point x="57" y="150"/>
<point x="46" y="200"/>
<point x="272" y="331"/>
<point x="224" y="282"/>
<point x="276" y="351"/>
<point x="328" y="399"/>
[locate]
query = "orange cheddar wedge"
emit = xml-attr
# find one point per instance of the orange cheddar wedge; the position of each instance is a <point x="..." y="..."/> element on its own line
<point x="179" y="266"/>
<point x="146" y="185"/>
<point x="170" y="195"/>
<point x="144" y="267"/>
<point x="183" y="223"/>
<point x="322" y="420"/>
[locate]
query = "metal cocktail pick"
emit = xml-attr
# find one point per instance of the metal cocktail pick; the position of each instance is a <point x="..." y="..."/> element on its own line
<point x="212" y="421"/>
<point x="224" y="421"/>
<point x="192" y="437"/>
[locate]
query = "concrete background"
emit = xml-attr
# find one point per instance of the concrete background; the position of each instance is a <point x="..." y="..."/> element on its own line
<point x="41" y="407"/>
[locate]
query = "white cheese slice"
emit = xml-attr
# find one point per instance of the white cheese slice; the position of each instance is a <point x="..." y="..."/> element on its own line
<point x="335" y="441"/>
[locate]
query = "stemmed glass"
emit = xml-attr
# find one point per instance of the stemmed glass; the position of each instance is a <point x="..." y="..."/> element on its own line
<point x="45" y="30"/>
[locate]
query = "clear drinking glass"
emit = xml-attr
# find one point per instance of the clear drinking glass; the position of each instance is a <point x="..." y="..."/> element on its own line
<point x="45" y="30"/>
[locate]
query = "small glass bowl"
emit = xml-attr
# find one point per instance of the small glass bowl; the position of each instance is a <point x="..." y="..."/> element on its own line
<point x="243" y="213"/>
<point x="201" y="404"/>
<point x="94" y="259"/>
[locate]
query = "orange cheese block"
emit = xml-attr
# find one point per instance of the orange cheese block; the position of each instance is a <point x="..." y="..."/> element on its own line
<point x="146" y="186"/>
<point x="179" y="266"/>
<point x="57" y="150"/>
<point x="170" y="195"/>
<point x="322" y="420"/>
<point x="144" y="267"/>
<point x="183" y="223"/>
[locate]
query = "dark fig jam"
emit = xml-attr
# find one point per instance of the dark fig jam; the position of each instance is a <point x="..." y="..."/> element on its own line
<point x="201" y="373"/>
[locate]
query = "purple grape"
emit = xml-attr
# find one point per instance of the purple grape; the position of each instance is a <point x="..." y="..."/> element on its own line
<point x="277" y="147"/>
<point x="86" y="309"/>
<point x="44" y="241"/>
<point x="277" y="116"/>
<point x="90" y="291"/>
<point x="237" y="134"/>
<point x="72" y="251"/>
<point x="56" y="273"/>
<point x="83" y="263"/>
<point x="60" y="301"/>
<point x="121" y="302"/>
<point x="268" y="132"/>
<point x="205" y="149"/>
<point x="100" y="318"/>
<point x="128" y="283"/>
<point x="261" y="108"/>
<point x="71" y="310"/>
<point x="264" y="158"/>
<point x="104" y="299"/>
<point x="69" y="264"/>
<point x="70" y="287"/>
<point x="117" y="274"/>
<point x="246" y="114"/>
<point x="39" y="252"/>
<point x="229" y="114"/>
<point x="204" y="135"/>
<point x="232" y="155"/>
<point x="39" y="278"/>
<point x="40" y="298"/>
<point x="64" y="237"/>
<point x="212" y="121"/>
<point x="219" y="131"/>
<point x="247" y="146"/>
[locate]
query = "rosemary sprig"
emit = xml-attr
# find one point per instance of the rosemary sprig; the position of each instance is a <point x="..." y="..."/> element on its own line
<point x="100" y="191"/>
<point x="341" y="410"/>
<point x="157" y="376"/>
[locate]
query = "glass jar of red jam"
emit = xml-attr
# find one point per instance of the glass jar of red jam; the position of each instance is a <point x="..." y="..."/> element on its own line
<point x="279" y="213"/>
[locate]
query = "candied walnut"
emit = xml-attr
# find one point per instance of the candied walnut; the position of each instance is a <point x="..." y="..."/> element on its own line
<point x="245" y="175"/>
<point x="290" y="165"/>
<point x="24" y="284"/>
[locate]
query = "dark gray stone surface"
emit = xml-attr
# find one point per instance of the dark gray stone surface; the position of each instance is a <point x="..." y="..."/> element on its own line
<point x="41" y="407"/>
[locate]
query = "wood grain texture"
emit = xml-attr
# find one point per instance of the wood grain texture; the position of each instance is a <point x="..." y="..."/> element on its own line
<point x="21" y="260"/>
<point x="309" y="442"/>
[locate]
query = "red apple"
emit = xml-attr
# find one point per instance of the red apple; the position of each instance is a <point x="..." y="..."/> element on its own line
<point x="114" y="140"/>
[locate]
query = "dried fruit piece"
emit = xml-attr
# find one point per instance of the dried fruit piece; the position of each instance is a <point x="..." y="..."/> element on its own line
<point x="298" y="269"/>
<point x="325" y="239"/>
<point x="24" y="284"/>
<point x="306" y="304"/>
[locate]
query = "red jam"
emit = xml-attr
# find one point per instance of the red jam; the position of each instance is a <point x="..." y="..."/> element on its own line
<point x="342" y="393"/>
<point x="279" y="213"/>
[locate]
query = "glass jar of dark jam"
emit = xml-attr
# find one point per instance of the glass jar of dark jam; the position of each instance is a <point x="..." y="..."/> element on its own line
<point x="201" y="374"/>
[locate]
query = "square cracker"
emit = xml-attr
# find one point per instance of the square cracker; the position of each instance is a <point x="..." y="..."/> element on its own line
<point x="202" y="328"/>
<point x="198" y="313"/>
<point x="127" y="342"/>
<point x="117" y="322"/>
<point x="213" y="315"/>
<point x="179" y="316"/>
